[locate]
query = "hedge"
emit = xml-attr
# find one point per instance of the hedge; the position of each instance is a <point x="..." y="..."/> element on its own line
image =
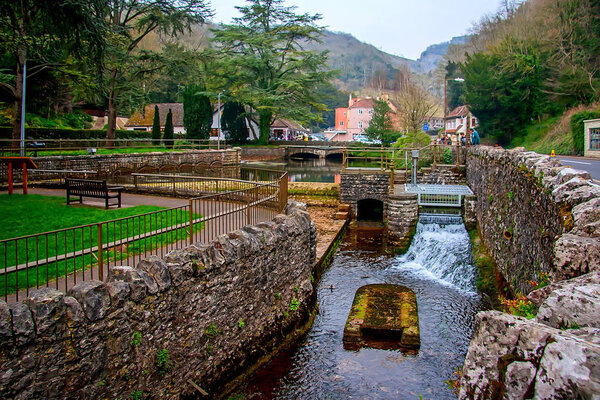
<point x="48" y="133"/>
<point x="577" y="128"/>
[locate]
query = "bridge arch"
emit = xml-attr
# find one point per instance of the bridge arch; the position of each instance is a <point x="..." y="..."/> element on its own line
<point x="304" y="155"/>
<point x="369" y="210"/>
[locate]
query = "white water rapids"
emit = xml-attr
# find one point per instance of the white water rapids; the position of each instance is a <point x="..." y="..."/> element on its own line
<point x="440" y="251"/>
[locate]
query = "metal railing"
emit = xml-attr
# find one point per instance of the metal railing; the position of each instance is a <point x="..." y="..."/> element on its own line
<point x="43" y="147"/>
<point x="439" y="195"/>
<point x="391" y="158"/>
<point x="64" y="257"/>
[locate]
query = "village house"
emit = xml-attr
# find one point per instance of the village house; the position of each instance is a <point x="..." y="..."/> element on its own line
<point x="142" y="121"/>
<point x="214" y="128"/>
<point x="353" y="120"/>
<point x="459" y="119"/>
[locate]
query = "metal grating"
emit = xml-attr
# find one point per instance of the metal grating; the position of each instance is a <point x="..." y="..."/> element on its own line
<point x="439" y="195"/>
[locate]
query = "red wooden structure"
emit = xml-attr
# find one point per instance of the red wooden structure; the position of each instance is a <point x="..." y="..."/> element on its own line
<point x="17" y="162"/>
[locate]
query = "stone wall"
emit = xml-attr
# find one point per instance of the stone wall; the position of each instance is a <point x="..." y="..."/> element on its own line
<point x="554" y="213"/>
<point x="402" y="218"/>
<point x="442" y="174"/>
<point x="535" y="215"/>
<point x="262" y="153"/>
<point x="363" y="184"/>
<point x="108" y="165"/>
<point x="195" y="319"/>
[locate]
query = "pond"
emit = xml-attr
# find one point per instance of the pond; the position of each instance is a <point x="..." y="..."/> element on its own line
<point x="303" y="170"/>
<point x="438" y="267"/>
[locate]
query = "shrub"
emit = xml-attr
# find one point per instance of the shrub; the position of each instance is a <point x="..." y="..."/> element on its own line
<point x="577" y="128"/>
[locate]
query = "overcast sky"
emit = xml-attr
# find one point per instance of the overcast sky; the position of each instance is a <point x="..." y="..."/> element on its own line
<point x="401" y="27"/>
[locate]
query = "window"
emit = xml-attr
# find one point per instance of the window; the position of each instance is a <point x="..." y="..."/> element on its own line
<point x="360" y="124"/>
<point x="371" y="111"/>
<point x="360" y="111"/>
<point x="594" y="138"/>
<point x="341" y="123"/>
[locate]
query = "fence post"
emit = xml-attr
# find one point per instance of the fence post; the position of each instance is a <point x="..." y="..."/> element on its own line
<point x="173" y="186"/>
<point x="248" y="206"/>
<point x="191" y="222"/>
<point x="100" y="254"/>
<point x="135" y="183"/>
<point x="434" y="151"/>
<point x="457" y="151"/>
<point x="283" y="192"/>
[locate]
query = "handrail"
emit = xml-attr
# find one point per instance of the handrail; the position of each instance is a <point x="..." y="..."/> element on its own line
<point x="87" y="251"/>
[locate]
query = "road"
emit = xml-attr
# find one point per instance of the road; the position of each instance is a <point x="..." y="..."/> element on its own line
<point x="587" y="164"/>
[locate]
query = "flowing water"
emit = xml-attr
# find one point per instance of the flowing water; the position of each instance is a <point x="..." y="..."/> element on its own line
<point x="437" y="267"/>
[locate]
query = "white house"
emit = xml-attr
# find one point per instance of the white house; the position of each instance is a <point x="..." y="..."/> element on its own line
<point x="591" y="138"/>
<point x="253" y="131"/>
<point x="458" y="120"/>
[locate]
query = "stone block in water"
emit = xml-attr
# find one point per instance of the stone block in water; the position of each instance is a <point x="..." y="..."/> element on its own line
<point x="383" y="316"/>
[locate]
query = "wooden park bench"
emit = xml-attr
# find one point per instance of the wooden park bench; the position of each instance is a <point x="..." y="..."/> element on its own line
<point x="92" y="188"/>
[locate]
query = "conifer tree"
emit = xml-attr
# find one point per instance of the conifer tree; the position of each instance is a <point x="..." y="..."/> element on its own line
<point x="197" y="113"/>
<point x="156" y="127"/>
<point x="168" y="135"/>
<point x="233" y="122"/>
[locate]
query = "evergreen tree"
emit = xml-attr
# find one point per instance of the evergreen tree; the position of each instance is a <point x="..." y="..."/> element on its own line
<point x="263" y="60"/>
<point x="168" y="135"/>
<point x="156" y="127"/>
<point x="233" y="122"/>
<point x="197" y="112"/>
<point x="380" y="126"/>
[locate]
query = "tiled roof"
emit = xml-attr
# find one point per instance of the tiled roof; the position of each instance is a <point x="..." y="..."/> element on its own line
<point x="147" y="118"/>
<point x="363" y="103"/>
<point x="458" y="112"/>
<point x="285" y="123"/>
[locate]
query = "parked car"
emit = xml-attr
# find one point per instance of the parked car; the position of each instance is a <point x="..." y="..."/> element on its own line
<point x="317" y="136"/>
<point x="366" y="140"/>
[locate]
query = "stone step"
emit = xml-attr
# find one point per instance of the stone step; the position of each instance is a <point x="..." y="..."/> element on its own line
<point x="341" y="215"/>
<point x="343" y="207"/>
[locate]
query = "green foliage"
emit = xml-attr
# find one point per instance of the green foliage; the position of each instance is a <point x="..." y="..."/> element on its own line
<point x="454" y="89"/>
<point x="380" y="126"/>
<point x="168" y="135"/>
<point x="212" y="331"/>
<point x="413" y="140"/>
<point x="136" y="339"/>
<point x="278" y="295"/>
<point x="233" y="122"/>
<point x="294" y="304"/>
<point x="261" y="57"/>
<point x="510" y="195"/>
<point x="156" y="136"/>
<point x="241" y="324"/>
<point x="565" y="327"/>
<point x="447" y="156"/>
<point x="520" y="306"/>
<point x="162" y="361"/>
<point x="197" y="112"/>
<point x="137" y="395"/>
<point x="577" y="128"/>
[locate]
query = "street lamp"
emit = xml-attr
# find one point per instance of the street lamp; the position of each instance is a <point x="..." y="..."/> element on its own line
<point x="219" y="119"/>
<point x="445" y="100"/>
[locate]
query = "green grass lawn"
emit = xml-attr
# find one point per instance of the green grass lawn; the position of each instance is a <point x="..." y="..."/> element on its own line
<point x="32" y="214"/>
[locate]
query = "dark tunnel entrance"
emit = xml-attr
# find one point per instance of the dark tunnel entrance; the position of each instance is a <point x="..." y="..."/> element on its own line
<point x="370" y="210"/>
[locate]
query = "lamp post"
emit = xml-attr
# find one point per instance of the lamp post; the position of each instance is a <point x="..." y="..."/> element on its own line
<point x="219" y="119"/>
<point x="445" y="99"/>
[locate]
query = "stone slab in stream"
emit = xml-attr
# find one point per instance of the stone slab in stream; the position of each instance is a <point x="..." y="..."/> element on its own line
<point x="383" y="316"/>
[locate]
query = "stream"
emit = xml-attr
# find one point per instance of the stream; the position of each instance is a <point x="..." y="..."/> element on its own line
<point x="438" y="267"/>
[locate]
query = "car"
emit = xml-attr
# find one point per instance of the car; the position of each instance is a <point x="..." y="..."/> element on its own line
<point x="317" y="136"/>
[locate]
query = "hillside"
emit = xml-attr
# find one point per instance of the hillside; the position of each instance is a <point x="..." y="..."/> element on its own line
<point x="430" y="58"/>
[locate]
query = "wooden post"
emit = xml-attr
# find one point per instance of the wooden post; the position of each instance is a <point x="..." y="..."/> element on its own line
<point x="10" y="178"/>
<point x="24" y="177"/>
<point x="434" y="151"/>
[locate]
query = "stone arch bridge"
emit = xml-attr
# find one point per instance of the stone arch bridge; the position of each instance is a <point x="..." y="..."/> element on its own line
<point x="313" y="152"/>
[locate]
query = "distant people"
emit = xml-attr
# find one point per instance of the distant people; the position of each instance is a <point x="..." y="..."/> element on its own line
<point x="463" y="139"/>
<point x="474" y="137"/>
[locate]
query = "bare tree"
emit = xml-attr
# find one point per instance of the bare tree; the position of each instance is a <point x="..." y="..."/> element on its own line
<point x="415" y="107"/>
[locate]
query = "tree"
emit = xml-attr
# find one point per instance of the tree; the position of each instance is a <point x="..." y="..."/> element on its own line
<point x="125" y="64"/>
<point x="415" y="108"/>
<point x="45" y="33"/>
<point x="169" y="135"/>
<point x="233" y="122"/>
<point x="197" y="112"/>
<point x="156" y="127"/>
<point x="265" y="66"/>
<point x="454" y="89"/>
<point x="380" y="126"/>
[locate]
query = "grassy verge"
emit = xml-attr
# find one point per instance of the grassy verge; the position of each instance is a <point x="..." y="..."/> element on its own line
<point x="28" y="215"/>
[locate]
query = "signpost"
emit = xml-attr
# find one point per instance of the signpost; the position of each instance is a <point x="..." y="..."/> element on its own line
<point x="426" y="127"/>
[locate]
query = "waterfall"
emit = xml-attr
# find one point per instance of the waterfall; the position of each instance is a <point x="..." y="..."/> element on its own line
<point x="440" y="251"/>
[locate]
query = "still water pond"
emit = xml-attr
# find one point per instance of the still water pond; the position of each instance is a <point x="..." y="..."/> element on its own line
<point x="303" y="170"/>
<point x="438" y="268"/>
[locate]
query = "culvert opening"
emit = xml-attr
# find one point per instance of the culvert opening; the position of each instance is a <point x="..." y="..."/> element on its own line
<point x="370" y="210"/>
<point x="304" y="156"/>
